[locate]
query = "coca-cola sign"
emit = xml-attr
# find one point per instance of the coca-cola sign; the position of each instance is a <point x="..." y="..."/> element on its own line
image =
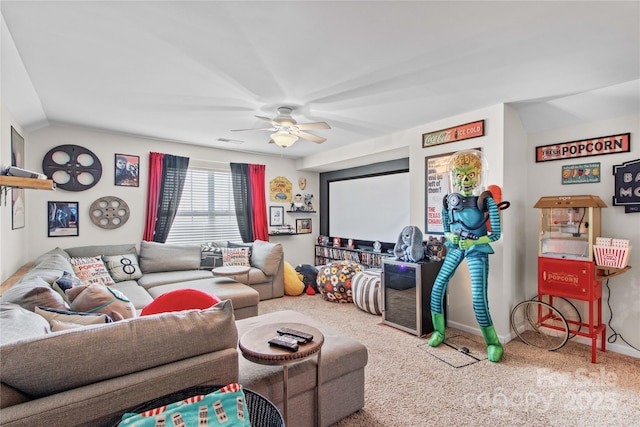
<point x="456" y="133"/>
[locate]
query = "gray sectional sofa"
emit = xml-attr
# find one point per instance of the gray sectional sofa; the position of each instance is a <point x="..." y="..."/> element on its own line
<point x="87" y="375"/>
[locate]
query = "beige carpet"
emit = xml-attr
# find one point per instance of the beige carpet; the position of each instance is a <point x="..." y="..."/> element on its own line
<point x="409" y="384"/>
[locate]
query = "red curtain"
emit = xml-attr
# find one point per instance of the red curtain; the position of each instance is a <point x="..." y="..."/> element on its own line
<point x="258" y="203"/>
<point x="153" y="196"/>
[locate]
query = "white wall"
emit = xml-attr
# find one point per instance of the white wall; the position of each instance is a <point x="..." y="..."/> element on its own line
<point x="32" y="240"/>
<point x="545" y="180"/>
<point x="13" y="251"/>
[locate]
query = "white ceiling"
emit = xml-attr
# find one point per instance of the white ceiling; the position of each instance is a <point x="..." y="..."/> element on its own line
<point x="192" y="71"/>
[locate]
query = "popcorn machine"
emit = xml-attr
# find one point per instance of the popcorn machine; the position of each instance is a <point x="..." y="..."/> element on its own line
<point x="568" y="229"/>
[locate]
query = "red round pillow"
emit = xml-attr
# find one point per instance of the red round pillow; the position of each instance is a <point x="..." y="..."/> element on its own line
<point x="178" y="300"/>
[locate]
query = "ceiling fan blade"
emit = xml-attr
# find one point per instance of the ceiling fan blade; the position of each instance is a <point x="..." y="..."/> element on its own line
<point x="316" y="125"/>
<point x="242" y="130"/>
<point x="267" y="119"/>
<point x="311" y="137"/>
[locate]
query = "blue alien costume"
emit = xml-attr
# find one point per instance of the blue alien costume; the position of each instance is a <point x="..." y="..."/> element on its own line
<point x="464" y="222"/>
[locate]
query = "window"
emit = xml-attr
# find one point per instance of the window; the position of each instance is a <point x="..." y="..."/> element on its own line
<point x="206" y="212"/>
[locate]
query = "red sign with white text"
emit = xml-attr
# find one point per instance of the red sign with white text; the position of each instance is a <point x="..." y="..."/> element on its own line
<point x="456" y="133"/>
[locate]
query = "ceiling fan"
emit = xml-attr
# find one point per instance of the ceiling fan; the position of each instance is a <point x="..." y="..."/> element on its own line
<point x="287" y="130"/>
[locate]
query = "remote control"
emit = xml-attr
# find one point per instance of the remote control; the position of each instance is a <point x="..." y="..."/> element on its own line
<point x="296" y="333"/>
<point x="284" y="342"/>
<point x="299" y="340"/>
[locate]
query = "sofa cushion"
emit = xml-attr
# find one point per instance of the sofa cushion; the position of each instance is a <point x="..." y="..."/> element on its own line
<point x="32" y="291"/>
<point x="100" y="250"/>
<point x="235" y="256"/>
<point x="17" y="323"/>
<point x="150" y="341"/>
<point x="91" y="270"/>
<point x="122" y="267"/>
<point x="137" y="294"/>
<point x="80" y="318"/>
<point x="149" y="280"/>
<point x="49" y="267"/>
<point x="156" y="257"/>
<point x="266" y="256"/>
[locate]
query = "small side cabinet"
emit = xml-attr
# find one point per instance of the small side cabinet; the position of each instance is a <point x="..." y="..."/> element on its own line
<point x="406" y="296"/>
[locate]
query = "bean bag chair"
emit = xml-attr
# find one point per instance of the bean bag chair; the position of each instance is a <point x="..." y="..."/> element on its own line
<point x="293" y="285"/>
<point x="334" y="281"/>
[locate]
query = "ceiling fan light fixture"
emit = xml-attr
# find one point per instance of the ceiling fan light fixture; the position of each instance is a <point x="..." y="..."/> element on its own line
<point x="284" y="139"/>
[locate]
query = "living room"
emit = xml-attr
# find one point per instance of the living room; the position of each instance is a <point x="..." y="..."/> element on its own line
<point x="507" y="143"/>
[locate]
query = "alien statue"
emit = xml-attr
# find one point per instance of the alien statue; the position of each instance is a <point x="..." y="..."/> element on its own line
<point x="465" y="226"/>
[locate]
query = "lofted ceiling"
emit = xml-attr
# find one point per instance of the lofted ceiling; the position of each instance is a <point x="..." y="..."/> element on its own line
<point x="192" y="71"/>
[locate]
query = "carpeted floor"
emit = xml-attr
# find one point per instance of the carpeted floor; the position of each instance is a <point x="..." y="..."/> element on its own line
<point x="411" y="384"/>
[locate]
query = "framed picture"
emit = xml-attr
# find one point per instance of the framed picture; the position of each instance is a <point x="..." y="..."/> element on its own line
<point x="63" y="219"/>
<point x="17" y="194"/>
<point x="126" y="170"/>
<point x="436" y="188"/>
<point x="303" y="226"/>
<point x="276" y="216"/>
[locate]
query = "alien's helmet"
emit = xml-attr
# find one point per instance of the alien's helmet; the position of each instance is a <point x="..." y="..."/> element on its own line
<point x="467" y="173"/>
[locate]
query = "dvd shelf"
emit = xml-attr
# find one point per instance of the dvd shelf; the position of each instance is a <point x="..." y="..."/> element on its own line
<point x="327" y="254"/>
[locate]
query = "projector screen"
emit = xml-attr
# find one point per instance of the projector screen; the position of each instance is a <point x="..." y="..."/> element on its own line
<point x="371" y="208"/>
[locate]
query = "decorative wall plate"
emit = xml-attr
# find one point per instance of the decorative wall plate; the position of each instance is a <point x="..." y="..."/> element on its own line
<point x="72" y="167"/>
<point x="109" y="212"/>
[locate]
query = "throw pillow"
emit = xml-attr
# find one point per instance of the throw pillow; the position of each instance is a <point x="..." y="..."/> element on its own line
<point x="229" y="404"/>
<point x="123" y="267"/>
<point x="293" y="286"/>
<point x="30" y="292"/>
<point x="58" y="325"/>
<point x="210" y="256"/>
<point x="72" y="316"/>
<point x="235" y="256"/>
<point x="91" y="270"/>
<point x="96" y="298"/>
<point x="240" y="245"/>
<point x="267" y="256"/>
<point x="180" y="299"/>
<point x="64" y="282"/>
<point x="309" y="275"/>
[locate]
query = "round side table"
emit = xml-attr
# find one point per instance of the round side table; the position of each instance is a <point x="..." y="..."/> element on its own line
<point x="255" y="347"/>
<point x="232" y="270"/>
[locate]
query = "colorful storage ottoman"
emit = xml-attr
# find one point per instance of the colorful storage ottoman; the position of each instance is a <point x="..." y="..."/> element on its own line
<point x="334" y="280"/>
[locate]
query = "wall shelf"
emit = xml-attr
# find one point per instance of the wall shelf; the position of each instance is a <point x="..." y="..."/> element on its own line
<point x="7" y="182"/>
<point x="19" y="182"/>
<point x="302" y="212"/>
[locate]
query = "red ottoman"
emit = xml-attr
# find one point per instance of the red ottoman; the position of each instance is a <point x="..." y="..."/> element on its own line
<point x="334" y="280"/>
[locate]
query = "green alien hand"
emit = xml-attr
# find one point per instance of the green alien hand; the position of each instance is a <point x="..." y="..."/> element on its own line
<point x="467" y="243"/>
<point x="452" y="237"/>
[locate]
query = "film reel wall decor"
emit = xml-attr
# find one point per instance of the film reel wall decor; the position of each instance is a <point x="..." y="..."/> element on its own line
<point x="109" y="212"/>
<point x="72" y="167"/>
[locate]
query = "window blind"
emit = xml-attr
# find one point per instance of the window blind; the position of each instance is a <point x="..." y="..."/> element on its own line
<point x="206" y="212"/>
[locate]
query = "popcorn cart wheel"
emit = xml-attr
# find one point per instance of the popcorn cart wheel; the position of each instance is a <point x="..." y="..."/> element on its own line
<point x="540" y="325"/>
<point x="566" y="308"/>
